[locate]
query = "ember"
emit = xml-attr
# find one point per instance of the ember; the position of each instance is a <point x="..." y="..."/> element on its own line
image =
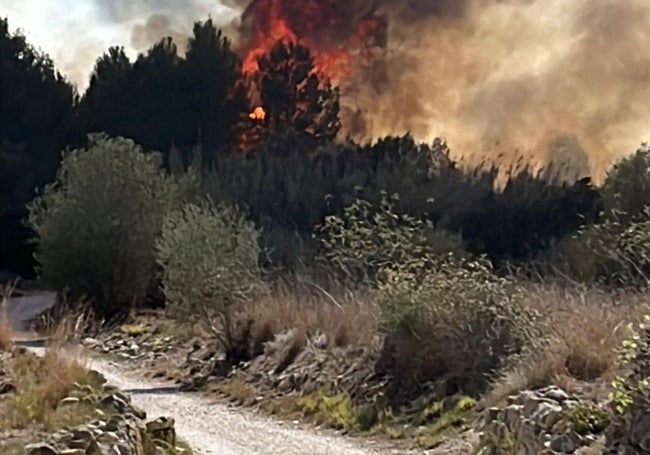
<point x="258" y="114"/>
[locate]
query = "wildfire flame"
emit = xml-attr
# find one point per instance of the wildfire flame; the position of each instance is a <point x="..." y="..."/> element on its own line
<point x="258" y="114"/>
<point x="329" y="28"/>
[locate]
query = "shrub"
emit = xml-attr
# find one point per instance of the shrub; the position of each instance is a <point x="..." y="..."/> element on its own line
<point x="526" y="214"/>
<point x="365" y="240"/>
<point x="452" y="319"/>
<point x="627" y="187"/>
<point x="445" y="316"/>
<point x="612" y="252"/>
<point x="209" y="256"/>
<point x="630" y="397"/>
<point x="95" y="226"/>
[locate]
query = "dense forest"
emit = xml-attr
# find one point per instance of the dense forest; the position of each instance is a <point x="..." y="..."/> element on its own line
<point x="289" y="169"/>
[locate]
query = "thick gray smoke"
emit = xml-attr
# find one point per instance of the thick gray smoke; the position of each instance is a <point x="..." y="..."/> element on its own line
<point x="544" y="79"/>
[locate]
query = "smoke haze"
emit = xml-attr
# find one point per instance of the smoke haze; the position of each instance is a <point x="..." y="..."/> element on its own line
<point x="566" y="81"/>
<point x="547" y="79"/>
<point x="543" y="79"/>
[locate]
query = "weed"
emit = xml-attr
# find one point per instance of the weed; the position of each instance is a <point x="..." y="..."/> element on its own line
<point x="334" y="410"/>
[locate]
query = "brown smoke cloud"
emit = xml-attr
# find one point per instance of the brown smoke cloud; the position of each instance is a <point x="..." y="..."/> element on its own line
<point x="542" y="79"/>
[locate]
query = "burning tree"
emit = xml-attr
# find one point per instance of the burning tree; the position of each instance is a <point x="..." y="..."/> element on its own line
<point x="292" y="94"/>
<point x="295" y="53"/>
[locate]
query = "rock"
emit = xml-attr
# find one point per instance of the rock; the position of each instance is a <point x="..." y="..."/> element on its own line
<point x="40" y="449"/>
<point x="566" y="443"/>
<point x="640" y="431"/>
<point x="73" y="452"/>
<point x="108" y="438"/>
<point x="97" y="377"/>
<point x="555" y="393"/>
<point x="69" y="401"/>
<point x="532" y="422"/>
<point x="6" y="387"/>
<point x="547" y="414"/>
<point x="162" y="429"/>
<point x="123" y="433"/>
<point x="90" y="342"/>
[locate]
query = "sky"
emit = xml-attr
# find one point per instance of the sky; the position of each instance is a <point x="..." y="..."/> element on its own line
<point x="75" y="32"/>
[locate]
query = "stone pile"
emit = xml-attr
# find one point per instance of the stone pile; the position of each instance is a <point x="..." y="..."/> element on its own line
<point x="544" y="421"/>
<point x="119" y="429"/>
<point x="291" y="364"/>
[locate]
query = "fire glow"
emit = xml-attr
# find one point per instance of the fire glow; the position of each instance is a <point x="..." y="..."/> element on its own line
<point x="258" y="114"/>
<point x="326" y="27"/>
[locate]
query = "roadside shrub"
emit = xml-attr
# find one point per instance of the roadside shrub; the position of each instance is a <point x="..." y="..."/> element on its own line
<point x="630" y="397"/>
<point x="95" y="226"/>
<point x="451" y="320"/>
<point x="210" y="260"/>
<point x="446" y="317"/>
<point x="365" y="239"/>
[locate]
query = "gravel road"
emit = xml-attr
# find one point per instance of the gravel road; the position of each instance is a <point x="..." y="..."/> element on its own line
<point x="215" y="429"/>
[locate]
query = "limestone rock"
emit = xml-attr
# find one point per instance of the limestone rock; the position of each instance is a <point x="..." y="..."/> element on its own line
<point x="532" y="422"/>
<point x="122" y="432"/>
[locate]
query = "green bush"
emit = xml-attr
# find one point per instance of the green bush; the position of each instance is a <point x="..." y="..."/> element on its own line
<point x="615" y="250"/>
<point x="445" y="316"/>
<point x="630" y="396"/>
<point x="612" y="252"/>
<point x="95" y="226"/>
<point x="210" y="260"/>
<point x="626" y="190"/>
<point x="365" y="239"/>
<point x="452" y="319"/>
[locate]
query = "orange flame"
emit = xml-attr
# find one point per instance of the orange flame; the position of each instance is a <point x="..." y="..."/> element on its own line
<point x="324" y="26"/>
<point x="258" y="114"/>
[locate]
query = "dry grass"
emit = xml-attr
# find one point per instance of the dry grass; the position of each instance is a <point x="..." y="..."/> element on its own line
<point x="41" y="383"/>
<point x="6" y="335"/>
<point x="236" y="390"/>
<point x="6" y="342"/>
<point x="65" y="323"/>
<point x="586" y="326"/>
<point x="345" y="317"/>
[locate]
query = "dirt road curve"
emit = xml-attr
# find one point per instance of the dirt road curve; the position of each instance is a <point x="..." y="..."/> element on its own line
<point x="214" y="429"/>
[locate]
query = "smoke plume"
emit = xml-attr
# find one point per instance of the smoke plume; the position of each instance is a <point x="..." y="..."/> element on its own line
<point x="535" y="78"/>
<point x="539" y="79"/>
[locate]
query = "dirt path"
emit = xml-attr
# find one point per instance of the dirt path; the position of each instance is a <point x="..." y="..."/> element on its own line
<point x="215" y="429"/>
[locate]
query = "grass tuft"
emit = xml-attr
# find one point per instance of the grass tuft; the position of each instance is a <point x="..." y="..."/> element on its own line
<point x="41" y="383"/>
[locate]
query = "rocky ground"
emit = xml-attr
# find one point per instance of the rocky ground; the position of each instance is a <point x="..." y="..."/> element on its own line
<point x="311" y="382"/>
<point x="88" y="416"/>
<point x="320" y="392"/>
<point x="211" y="427"/>
<point x="314" y="383"/>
